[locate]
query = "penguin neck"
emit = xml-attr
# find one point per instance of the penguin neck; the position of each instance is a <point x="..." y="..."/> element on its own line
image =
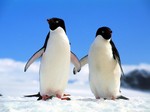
<point x="58" y="36"/>
<point x="99" y="40"/>
<point x="58" y="30"/>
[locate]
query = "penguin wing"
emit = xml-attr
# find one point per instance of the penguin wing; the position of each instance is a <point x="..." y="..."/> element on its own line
<point x="116" y="55"/>
<point x="76" y="62"/>
<point x="34" y="57"/>
<point x="83" y="61"/>
<point x="37" y="54"/>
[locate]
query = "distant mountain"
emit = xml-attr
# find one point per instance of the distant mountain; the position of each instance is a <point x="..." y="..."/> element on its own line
<point x="137" y="79"/>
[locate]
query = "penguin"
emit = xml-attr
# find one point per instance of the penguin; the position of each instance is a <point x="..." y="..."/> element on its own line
<point x="55" y="61"/>
<point x="104" y="64"/>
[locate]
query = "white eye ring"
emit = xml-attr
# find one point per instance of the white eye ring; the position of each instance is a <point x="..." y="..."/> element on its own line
<point x="57" y="21"/>
<point x="103" y="31"/>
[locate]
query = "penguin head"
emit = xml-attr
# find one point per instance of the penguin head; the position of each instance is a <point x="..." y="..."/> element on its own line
<point x="105" y="32"/>
<point x="54" y="23"/>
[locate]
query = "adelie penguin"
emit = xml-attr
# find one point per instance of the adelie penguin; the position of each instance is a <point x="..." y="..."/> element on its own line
<point x="105" y="68"/>
<point x="55" y="61"/>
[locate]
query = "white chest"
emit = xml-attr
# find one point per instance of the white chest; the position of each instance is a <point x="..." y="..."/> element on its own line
<point x="100" y="55"/>
<point x="104" y="71"/>
<point x="55" y="63"/>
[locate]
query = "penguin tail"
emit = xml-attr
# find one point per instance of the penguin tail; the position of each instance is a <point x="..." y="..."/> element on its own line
<point x="40" y="98"/>
<point x="34" y="95"/>
<point x="122" y="97"/>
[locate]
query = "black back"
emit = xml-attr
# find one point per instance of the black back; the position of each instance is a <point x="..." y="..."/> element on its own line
<point x="46" y="40"/>
<point x="116" y="55"/>
<point x="105" y="32"/>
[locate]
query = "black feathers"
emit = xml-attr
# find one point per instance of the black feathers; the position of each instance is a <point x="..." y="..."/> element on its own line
<point x="116" y="55"/>
<point x="105" y="32"/>
<point x="46" y="40"/>
<point x="55" y="23"/>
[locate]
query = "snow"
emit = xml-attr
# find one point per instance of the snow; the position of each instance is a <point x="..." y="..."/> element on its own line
<point x="82" y="100"/>
<point x="14" y="84"/>
<point x="76" y="104"/>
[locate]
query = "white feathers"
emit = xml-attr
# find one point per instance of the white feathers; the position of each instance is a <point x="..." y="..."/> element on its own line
<point x="55" y="63"/>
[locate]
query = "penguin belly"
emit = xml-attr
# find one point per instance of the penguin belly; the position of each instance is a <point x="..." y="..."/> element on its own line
<point x="104" y="71"/>
<point x="55" y="64"/>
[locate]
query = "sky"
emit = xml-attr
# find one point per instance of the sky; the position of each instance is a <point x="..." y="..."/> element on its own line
<point x="23" y="26"/>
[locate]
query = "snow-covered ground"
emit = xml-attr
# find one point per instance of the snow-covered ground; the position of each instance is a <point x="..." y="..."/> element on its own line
<point x="82" y="101"/>
<point x="14" y="83"/>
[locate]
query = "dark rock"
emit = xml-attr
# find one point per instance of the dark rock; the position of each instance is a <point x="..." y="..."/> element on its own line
<point x="137" y="79"/>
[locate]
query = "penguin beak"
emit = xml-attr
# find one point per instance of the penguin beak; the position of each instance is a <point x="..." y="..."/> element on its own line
<point x="49" y="21"/>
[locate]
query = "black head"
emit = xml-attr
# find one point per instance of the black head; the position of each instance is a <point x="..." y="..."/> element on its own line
<point x="55" y="23"/>
<point x="105" y="32"/>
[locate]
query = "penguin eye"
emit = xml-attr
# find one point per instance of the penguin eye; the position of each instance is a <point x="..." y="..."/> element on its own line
<point x="103" y="31"/>
<point x="57" y="21"/>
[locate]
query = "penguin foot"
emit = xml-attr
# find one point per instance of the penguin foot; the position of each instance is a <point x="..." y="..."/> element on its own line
<point x="113" y="98"/>
<point x="66" y="98"/>
<point x="97" y="97"/>
<point x="66" y="95"/>
<point x="63" y="98"/>
<point x="46" y="97"/>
